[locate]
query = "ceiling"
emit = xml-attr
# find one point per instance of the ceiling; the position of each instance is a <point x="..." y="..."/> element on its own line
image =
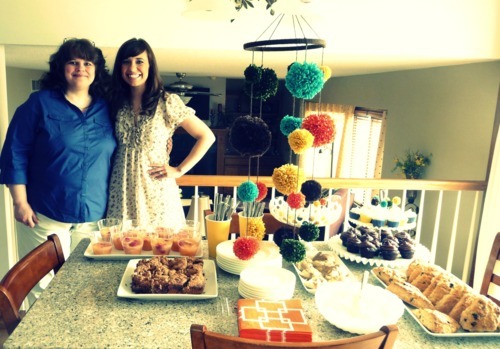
<point x="362" y="36"/>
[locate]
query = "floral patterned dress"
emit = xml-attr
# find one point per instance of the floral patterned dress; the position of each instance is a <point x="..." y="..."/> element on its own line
<point x="134" y="194"/>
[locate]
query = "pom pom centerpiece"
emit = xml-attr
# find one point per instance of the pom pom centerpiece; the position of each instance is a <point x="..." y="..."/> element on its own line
<point x="300" y="140"/>
<point x="245" y="247"/>
<point x="322" y="128"/>
<point x="293" y="251"/>
<point x="311" y="189"/>
<point x="287" y="178"/>
<point x="262" y="191"/>
<point x="247" y="191"/>
<point x="296" y="200"/>
<point x="289" y="124"/>
<point x="250" y="136"/>
<point x="308" y="231"/>
<point x="304" y="80"/>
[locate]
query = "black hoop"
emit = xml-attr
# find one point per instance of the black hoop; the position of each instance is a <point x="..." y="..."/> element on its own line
<point x="284" y="45"/>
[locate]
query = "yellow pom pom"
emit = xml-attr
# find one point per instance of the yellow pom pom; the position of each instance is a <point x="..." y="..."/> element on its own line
<point x="300" y="140"/>
<point x="327" y="72"/>
<point x="288" y="178"/>
<point x="256" y="228"/>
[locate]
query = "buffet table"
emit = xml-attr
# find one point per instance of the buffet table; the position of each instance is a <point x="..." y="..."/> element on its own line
<point x="80" y="308"/>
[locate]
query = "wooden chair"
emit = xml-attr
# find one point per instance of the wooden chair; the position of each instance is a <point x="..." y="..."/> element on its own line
<point x="203" y="339"/>
<point x="490" y="277"/>
<point x="24" y="275"/>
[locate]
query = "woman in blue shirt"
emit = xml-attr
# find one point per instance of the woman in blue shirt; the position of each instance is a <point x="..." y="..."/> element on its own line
<point x="56" y="159"/>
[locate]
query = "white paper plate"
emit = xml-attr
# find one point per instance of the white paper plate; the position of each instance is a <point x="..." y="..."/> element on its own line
<point x="211" y="289"/>
<point x="335" y="244"/>
<point x="265" y="282"/>
<point x="340" y="304"/>
<point x="120" y="255"/>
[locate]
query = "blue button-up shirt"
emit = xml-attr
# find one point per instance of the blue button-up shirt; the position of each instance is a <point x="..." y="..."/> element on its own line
<point x="62" y="155"/>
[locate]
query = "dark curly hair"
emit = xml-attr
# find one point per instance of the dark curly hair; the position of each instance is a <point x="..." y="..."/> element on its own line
<point x="71" y="49"/>
<point x="120" y="93"/>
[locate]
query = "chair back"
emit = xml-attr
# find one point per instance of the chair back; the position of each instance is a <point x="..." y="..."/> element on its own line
<point x="24" y="275"/>
<point x="491" y="281"/>
<point x="203" y="339"/>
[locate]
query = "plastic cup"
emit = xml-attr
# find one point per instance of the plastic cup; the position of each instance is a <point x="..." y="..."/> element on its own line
<point x="100" y="244"/>
<point x="109" y="226"/>
<point x="186" y="230"/>
<point x="188" y="246"/>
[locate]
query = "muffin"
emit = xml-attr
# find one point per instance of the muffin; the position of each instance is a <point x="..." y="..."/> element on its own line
<point x="407" y="249"/>
<point x="367" y="249"/>
<point x="346" y="235"/>
<point x="389" y="249"/>
<point x="353" y="244"/>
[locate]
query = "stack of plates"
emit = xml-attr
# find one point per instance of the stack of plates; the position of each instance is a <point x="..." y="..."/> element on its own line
<point x="264" y="282"/>
<point x="268" y="255"/>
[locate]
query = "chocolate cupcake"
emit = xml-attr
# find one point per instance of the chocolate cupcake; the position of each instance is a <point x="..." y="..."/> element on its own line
<point x="384" y="233"/>
<point x="407" y="249"/>
<point x="367" y="249"/>
<point x="353" y="244"/>
<point x="402" y="235"/>
<point x="346" y="236"/>
<point x="389" y="249"/>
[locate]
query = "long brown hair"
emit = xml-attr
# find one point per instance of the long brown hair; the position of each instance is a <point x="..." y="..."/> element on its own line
<point x="120" y="90"/>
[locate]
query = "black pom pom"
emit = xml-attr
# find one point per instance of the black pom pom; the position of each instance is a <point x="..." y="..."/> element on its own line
<point x="311" y="190"/>
<point x="308" y="231"/>
<point x="375" y="200"/>
<point x="250" y="136"/>
<point x="282" y="234"/>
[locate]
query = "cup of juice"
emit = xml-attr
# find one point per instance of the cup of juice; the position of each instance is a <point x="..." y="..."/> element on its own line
<point x="109" y="226"/>
<point x="189" y="245"/>
<point x="100" y="245"/>
<point x="132" y="242"/>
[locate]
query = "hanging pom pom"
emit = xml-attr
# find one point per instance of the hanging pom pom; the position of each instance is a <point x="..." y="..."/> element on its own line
<point x="293" y="251"/>
<point x="253" y="74"/>
<point x="289" y="124"/>
<point x="245" y="247"/>
<point x="383" y="203"/>
<point x="287" y="178"/>
<point x="300" y="140"/>
<point x="304" y="80"/>
<point x="375" y="200"/>
<point x="282" y="234"/>
<point x="322" y="128"/>
<point x="250" y="136"/>
<point x="327" y="72"/>
<point x="308" y="231"/>
<point x="262" y="191"/>
<point x="296" y="200"/>
<point x="247" y="191"/>
<point x="266" y="87"/>
<point x="256" y="228"/>
<point x="311" y="189"/>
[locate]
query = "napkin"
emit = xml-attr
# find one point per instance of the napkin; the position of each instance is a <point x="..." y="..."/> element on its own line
<point x="273" y="321"/>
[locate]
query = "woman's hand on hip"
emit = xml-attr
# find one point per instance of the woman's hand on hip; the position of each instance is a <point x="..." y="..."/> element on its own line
<point x="25" y="214"/>
<point x="161" y="171"/>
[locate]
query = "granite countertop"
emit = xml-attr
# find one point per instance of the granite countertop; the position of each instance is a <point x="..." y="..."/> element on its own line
<point x="80" y="308"/>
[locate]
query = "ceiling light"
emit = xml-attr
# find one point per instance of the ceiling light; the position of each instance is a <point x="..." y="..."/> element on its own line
<point x="210" y="10"/>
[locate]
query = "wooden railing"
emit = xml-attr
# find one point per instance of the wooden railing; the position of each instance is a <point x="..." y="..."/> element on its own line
<point x="448" y="219"/>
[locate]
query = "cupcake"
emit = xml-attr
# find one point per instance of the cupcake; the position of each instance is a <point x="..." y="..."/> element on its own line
<point x="353" y="244"/>
<point x="389" y="249"/>
<point x="346" y="235"/>
<point x="367" y="249"/>
<point x="407" y="249"/>
<point x="384" y="233"/>
<point x="354" y="213"/>
<point x="364" y="215"/>
<point x="402" y="235"/>
<point x="379" y="216"/>
<point x="411" y="216"/>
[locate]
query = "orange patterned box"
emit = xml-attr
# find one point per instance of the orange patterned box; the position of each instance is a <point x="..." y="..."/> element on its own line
<point x="276" y="321"/>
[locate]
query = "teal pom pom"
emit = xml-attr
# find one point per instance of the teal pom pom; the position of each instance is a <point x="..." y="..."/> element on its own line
<point x="293" y="251"/>
<point x="308" y="231"/>
<point x="304" y="80"/>
<point x="289" y="124"/>
<point x="248" y="191"/>
<point x="383" y="203"/>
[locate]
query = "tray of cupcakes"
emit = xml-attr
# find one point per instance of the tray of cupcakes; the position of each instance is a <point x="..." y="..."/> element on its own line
<point x="378" y="247"/>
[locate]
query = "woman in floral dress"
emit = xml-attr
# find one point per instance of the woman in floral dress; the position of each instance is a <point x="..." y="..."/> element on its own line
<point x="143" y="185"/>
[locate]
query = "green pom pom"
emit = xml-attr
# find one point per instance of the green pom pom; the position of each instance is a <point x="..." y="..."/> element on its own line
<point x="253" y="74"/>
<point x="383" y="203"/>
<point x="308" y="231"/>
<point x="248" y="191"/>
<point x="293" y="251"/>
